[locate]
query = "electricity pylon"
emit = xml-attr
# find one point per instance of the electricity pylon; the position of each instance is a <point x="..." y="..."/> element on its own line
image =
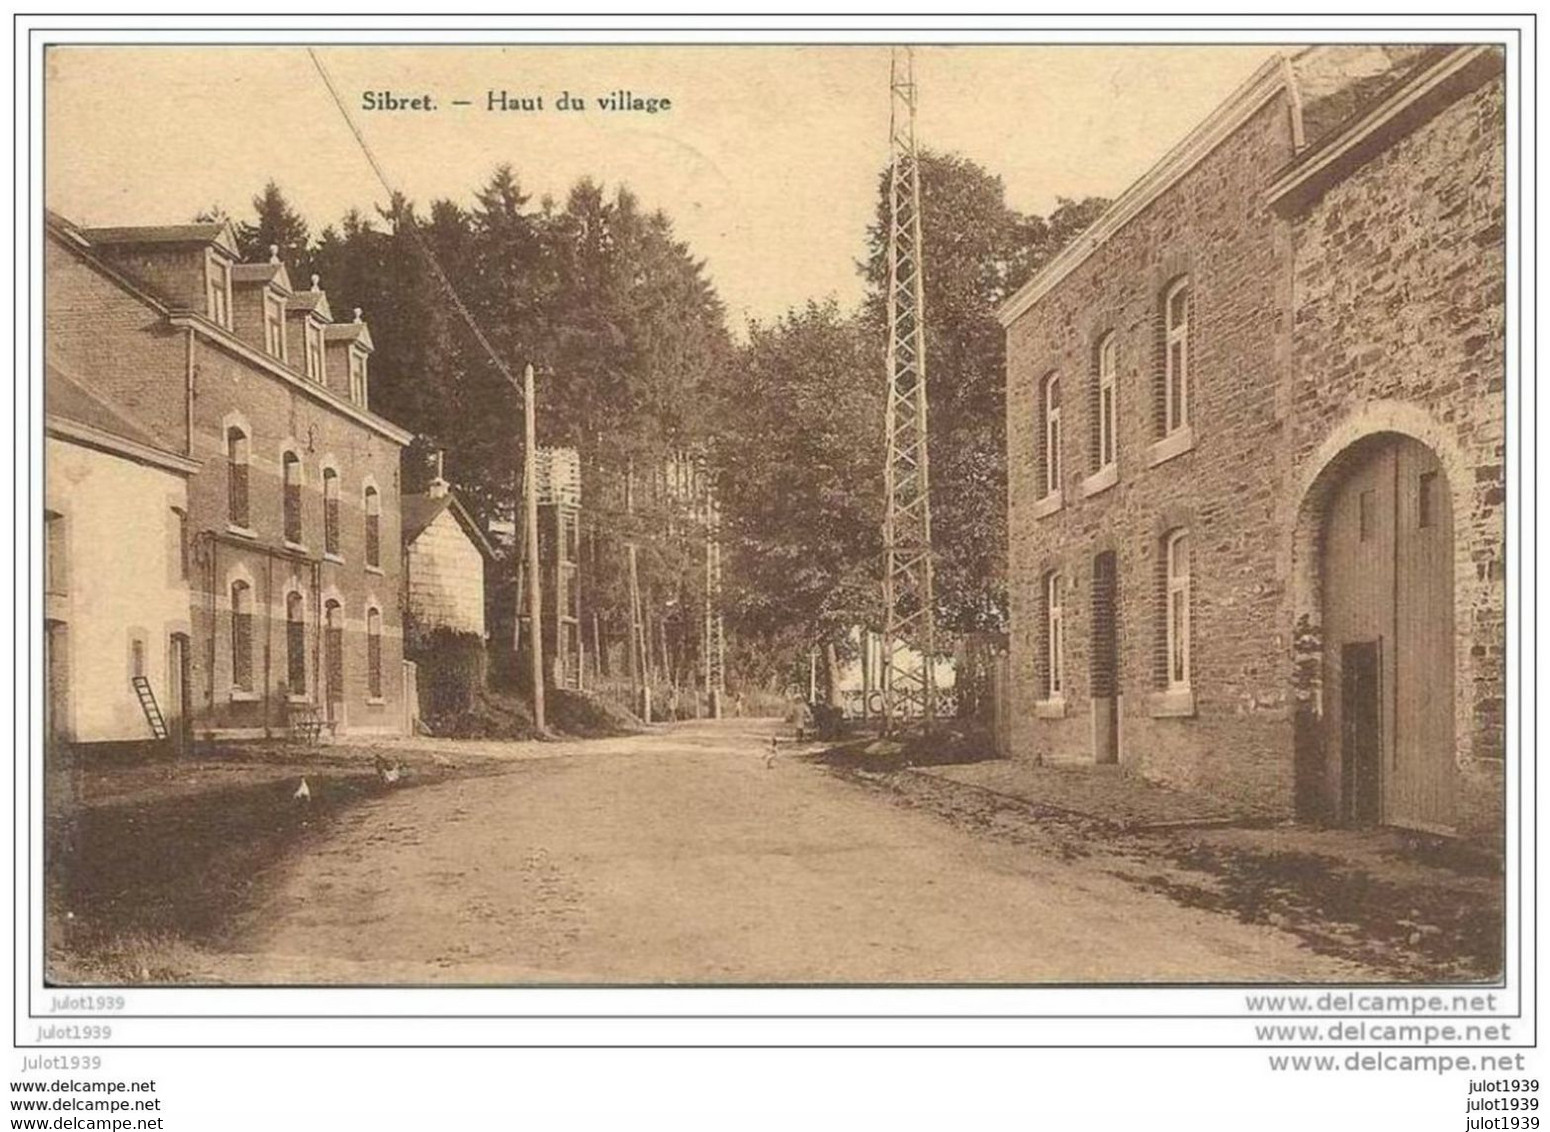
<point x="909" y="635"/>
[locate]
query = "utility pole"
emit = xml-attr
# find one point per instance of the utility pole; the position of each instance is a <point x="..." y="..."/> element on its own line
<point x="909" y="634"/>
<point x="530" y="507"/>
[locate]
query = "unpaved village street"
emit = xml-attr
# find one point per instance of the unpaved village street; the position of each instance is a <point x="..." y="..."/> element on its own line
<point x="681" y="856"/>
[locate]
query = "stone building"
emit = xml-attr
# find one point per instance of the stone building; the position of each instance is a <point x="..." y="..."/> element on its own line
<point x="1255" y="448"/>
<point x="292" y="519"/>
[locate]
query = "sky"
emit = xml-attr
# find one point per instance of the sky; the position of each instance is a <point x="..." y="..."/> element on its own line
<point x="766" y="161"/>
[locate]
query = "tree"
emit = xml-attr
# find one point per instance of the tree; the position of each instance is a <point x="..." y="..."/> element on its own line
<point x="276" y="225"/>
<point x="977" y="252"/>
<point x="798" y="450"/>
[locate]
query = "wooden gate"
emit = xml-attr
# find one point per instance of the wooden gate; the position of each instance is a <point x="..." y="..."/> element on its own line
<point x="1388" y="618"/>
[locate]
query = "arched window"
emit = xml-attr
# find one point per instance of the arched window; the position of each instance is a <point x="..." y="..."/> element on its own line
<point x="1051" y="402"/>
<point x="330" y="511"/>
<point x="373" y="527"/>
<point x="1176" y="312"/>
<point x="1055" y="635"/>
<point x="292" y="501"/>
<point x="333" y="651"/>
<point x="295" y="644"/>
<point x="237" y="476"/>
<point x="374" y="653"/>
<point x="1176" y="609"/>
<point x="1106" y="444"/>
<point x="241" y="636"/>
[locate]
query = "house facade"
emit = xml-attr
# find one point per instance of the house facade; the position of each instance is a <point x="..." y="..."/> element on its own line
<point x="445" y="555"/>
<point x="292" y="536"/>
<point x="1291" y="324"/>
<point x="116" y="580"/>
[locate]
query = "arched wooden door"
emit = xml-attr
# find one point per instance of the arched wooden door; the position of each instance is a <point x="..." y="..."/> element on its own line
<point x="1388" y="638"/>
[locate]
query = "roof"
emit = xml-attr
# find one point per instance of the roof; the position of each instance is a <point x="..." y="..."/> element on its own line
<point x="307" y="302"/>
<point x="419" y="511"/>
<point x="216" y="232"/>
<point x="251" y="274"/>
<point x="80" y="413"/>
<point x="348" y="332"/>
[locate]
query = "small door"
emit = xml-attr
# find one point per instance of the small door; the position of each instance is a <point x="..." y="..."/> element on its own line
<point x="1361" y="731"/>
<point x="1104" y="669"/>
<point x="178" y="716"/>
<point x="333" y="658"/>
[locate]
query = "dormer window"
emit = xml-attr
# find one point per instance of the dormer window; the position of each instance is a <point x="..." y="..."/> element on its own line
<point x="314" y="350"/>
<point x="274" y="325"/>
<point x="217" y="289"/>
<point x="358" y="377"/>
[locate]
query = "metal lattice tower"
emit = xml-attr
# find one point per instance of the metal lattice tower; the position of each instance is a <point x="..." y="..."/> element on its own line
<point x="909" y="635"/>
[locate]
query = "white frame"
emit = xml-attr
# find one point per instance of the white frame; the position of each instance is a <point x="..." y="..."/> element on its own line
<point x="1176" y="334"/>
<point x="1178" y="631"/>
<point x="1051" y="433"/>
<point x="358" y="376"/>
<point x="1055" y="629"/>
<point x="1108" y="365"/>
<point x="217" y="289"/>
<point x="274" y="325"/>
<point x="312" y="336"/>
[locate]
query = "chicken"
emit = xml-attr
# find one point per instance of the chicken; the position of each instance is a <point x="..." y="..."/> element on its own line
<point x="303" y="792"/>
<point x="389" y="773"/>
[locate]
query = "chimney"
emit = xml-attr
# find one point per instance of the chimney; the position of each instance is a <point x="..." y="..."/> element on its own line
<point x="437" y="488"/>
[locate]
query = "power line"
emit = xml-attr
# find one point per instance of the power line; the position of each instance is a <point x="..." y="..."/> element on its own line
<point x="414" y="229"/>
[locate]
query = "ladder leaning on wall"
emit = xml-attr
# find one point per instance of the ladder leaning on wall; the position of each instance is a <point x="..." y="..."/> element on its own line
<point x="147" y="698"/>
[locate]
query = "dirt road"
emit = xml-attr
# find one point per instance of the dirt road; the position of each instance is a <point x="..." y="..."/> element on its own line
<point x="680" y="856"/>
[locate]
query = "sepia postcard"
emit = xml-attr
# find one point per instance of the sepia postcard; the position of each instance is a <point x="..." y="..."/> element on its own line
<point x="771" y="515"/>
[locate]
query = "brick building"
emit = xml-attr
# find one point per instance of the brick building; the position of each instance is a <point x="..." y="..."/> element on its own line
<point x="292" y="519"/>
<point x="1255" y="449"/>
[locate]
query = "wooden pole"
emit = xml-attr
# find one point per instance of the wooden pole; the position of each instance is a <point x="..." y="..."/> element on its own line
<point x="530" y="506"/>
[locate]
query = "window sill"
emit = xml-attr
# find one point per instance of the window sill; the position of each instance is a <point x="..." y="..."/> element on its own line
<point x="300" y="547"/>
<point x="376" y="701"/>
<point x="1175" y="703"/>
<point x="292" y="698"/>
<point x="1051" y="503"/>
<point x="1176" y="443"/>
<point x="1101" y="480"/>
<point x="374" y="570"/>
<point x="245" y="532"/>
<point x="238" y="696"/>
<point x="1053" y="708"/>
<point x="330" y="556"/>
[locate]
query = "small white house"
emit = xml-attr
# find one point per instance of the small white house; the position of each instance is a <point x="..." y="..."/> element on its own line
<point x="446" y="554"/>
<point x="116" y="566"/>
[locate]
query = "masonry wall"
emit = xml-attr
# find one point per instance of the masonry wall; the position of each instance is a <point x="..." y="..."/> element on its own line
<point x="123" y="347"/>
<point x="1400" y="327"/>
<point x="446" y="578"/>
<point x="1210" y="225"/>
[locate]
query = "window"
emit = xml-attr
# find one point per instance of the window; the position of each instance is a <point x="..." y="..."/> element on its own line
<point x="136" y="657"/>
<point x="217" y="289"/>
<point x="1364" y="515"/>
<point x="1055" y="635"/>
<point x="374" y="654"/>
<point x="1176" y="303"/>
<point x="295" y="644"/>
<point x="1176" y="610"/>
<point x="292" y="502"/>
<point x="241" y="636"/>
<point x="314" y="334"/>
<point x="1106" y="417"/>
<point x="373" y="528"/>
<point x="358" y="377"/>
<point x="1051" y="434"/>
<point x="274" y="325"/>
<point x="237" y="476"/>
<point x="330" y="511"/>
<point x="56" y="565"/>
<point x="333" y="651"/>
<point x="180" y="537"/>
<point x="1426" y="500"/>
